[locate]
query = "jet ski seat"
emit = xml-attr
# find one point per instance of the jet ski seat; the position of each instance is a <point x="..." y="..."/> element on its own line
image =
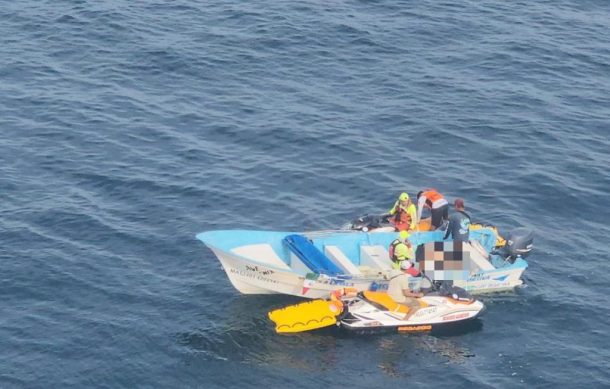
<point x="384" y="300"/>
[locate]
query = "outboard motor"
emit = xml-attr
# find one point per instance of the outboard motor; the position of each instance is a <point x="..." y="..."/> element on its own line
<point x="519" y="243"/>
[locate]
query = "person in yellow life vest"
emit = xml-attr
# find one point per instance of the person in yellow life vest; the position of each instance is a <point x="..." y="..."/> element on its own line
<point x="401" y="249"/>
<point x="403" y="214"/>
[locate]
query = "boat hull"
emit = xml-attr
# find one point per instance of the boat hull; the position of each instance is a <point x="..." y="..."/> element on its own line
<point x="503" y="279"/>
<point x="250" y="277"/>
<point x="256" y="262"/>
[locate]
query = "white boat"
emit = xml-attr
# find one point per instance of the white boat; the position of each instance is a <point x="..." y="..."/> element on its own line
<point x="312" y="264"/>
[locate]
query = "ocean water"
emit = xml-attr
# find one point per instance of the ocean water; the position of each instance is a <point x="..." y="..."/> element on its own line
<point x="126" y="127"/>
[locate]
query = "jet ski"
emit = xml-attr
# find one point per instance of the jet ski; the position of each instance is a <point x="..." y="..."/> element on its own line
<point x="376" y="312"/>
<point x="370" y="223"/>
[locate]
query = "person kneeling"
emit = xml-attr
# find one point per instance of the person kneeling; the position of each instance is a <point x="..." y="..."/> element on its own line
<point x="400" y="292"/>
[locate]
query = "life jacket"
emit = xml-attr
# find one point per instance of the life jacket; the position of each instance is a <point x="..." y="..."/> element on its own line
<point x="434" y="198"/>
<point x="402" y="218"/>
<point x="392" y="249"/>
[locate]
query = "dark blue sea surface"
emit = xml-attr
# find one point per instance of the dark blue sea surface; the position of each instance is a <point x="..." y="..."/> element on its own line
<point x="126" y="127"/>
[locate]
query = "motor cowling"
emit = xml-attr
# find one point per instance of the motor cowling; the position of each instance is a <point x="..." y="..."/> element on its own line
<point x="519" y="242"/>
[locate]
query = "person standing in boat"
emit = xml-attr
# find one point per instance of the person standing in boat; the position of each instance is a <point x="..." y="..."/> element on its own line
<point x="459" y="223"/>
<point x="439" y="207"/>
<point x="401" y="249"/>
<point x="399" y="291"/>
<point x="403" y="214"/>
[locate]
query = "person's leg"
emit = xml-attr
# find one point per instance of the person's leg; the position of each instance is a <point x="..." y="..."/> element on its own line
<point x="437" y="218"/>
<point x="413" y="306"/>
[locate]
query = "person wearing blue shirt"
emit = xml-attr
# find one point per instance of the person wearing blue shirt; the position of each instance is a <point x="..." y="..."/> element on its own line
<point x="459" y="223"/>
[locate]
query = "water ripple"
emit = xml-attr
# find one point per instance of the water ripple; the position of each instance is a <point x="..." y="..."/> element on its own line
<point x="126" y="128"/>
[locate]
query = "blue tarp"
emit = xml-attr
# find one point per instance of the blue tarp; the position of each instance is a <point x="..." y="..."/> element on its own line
<point x="309" y="254"/>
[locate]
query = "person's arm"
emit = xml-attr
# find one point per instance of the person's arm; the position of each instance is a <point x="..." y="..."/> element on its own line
<point x="393" y="210"/>
<point x="408" y="293"/>
<point x="420" y="205"/>
<point x="413" y="215"/>
<point x="449" y="228"/>
<point x="404" y="286"/>
<point x="410" y="253"/>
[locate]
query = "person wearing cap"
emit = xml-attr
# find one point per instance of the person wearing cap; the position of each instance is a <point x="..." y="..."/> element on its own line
<point x="401" y="249"/>
<point x="459" y="223"/>
<point x="403" y="214"/>
<point x="439" y="207"/>
<point x="399" y="291"/>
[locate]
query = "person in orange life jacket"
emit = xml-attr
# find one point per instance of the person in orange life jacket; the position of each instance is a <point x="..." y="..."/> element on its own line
<point x="399" y="291"/>
<point x="400" y="250"/>
<point x="459" y="223"/>
<point x="439" y="207"/>
<point x="403" y="214"/>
